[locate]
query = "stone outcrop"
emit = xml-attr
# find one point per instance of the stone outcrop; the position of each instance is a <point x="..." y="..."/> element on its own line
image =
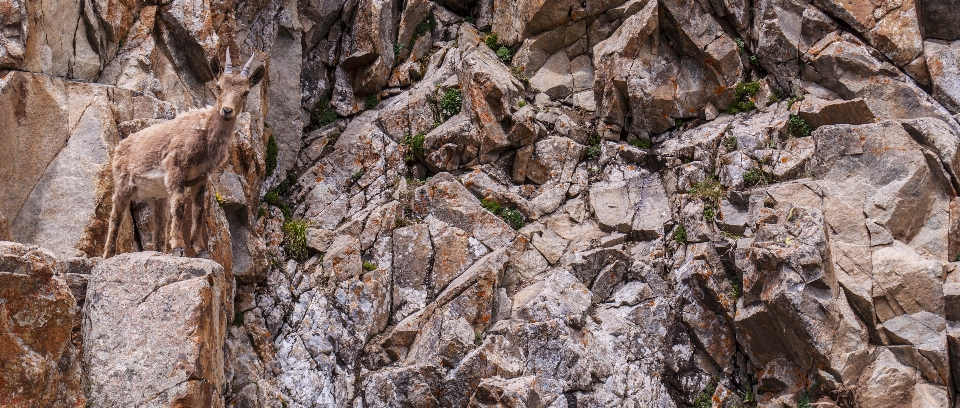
<point x="153" y="331"/>
<point x="38" y="315"/>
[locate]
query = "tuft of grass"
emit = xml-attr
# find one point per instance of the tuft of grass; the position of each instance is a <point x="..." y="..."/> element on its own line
<point x="398" y="49"/>
<point x="449" y="104"/>
<point x="427" y="25"/>
<point x="641" y="142"/>
<point x="755" y="176"/>
<point x="371" y="102"/>
<point x="705" y="398"/>
<point x="594" y="150"/>
<point x="804" y="400"/>
<point x="709" y="190"/>
<point x="511" y="216"/>
<point x="798" y="126"/>
<point x="742" y="94"/>
<point x="295" y="239"/>
<point x="754" y="60"/>
<point x="272" y="151"/>
<point x="708" y="212"/>
<point x="680" y="235"/>
<point x="730" y="142"/>
<point x="238" y="319"/>
<point x="505" y="54"/>
<point x="491" y="40"/>
<point x="322" y="114"/>
<point x="414" y="146"/>
<point x="735" y="293"/>
<point x="369" y="266"/>
<point x="356" y="176"/>
<point x="522" y="103"/>
<point x="491" y="205"/>
<point x="741" y="45"/>
<point x="470" y="19"/>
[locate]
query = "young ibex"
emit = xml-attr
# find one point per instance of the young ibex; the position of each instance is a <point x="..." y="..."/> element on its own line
<point x="172" y="160"/>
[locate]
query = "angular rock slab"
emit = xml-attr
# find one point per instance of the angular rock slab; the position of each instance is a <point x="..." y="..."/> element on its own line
<point x="38" y="362"/>
<point x="153" y="330"/>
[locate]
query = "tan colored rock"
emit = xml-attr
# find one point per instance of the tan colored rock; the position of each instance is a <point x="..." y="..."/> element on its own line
<point x="58" y="182"/>
<point x="943" y="61"/>
<point x="160" y="323"/>
<point x="819" y="112"/>
<point x="41" y="364"/>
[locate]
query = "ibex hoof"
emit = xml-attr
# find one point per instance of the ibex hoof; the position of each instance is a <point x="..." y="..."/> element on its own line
<point x="178" y="252"/>
<point x="203" y="254"/>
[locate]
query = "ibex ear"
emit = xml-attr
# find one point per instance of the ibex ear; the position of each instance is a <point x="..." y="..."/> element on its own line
<point x="257" y="76"/>
<point x="215" y="68"/>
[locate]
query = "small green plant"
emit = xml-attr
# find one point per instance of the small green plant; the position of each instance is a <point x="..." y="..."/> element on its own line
<point x="708" y="212"/>
<point x="427" y="25"/>
<point x="505" y="54"/>
<point x="371" y="102"/>
<point x="512" y="217"/>
<point x="792" y="101"/>
<point x="398" y="49"/>
<point x="414" y="146"/>
<point x="798" y="126"/>
<point x="449" y="104"/>
<point x="748" y="396"/>
<point x="295" y="239"/>
<point x="491" y="205"/>
<point x="741" y="45"/>
<point x="322" y="114"/>
<point x="491" y="40"/>
<point x="369" y="266"/>
<point x="704" y="398"/>
<point x="272" y="151"/>
<point x="730" y="142"/>
<point x="518" y="73"/>
<point x="735" y="293"/>
<point x="755" y="176"/>
<point x="359" y="174"/>
<point x="742" y="94"/>
<point x="522" y="103"/>
<point x="709" y="190"/>
<point x="754" y="60"/>
<point x="641" y="142"/>
<point x="678" y="122"/>
<point x="219" y="199"/>
<point x="470" y="19"/>
<point x="804" y="400"/>
<point x="238" y="319"/>
<point x="478" y="338"/>
<point x="680" y="234"/>
<point x="594" y="150"/>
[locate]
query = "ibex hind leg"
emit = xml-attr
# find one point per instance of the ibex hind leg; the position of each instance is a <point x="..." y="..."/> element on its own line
<point x="121" y="206"/>
<point x="198" y="232"/>
<point x="158" y="213"/>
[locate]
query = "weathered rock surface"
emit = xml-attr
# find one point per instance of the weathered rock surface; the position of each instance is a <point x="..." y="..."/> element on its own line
<point x="41" y="363"/>
<point x="514" y="203"/>
<point x="154" y="330"/>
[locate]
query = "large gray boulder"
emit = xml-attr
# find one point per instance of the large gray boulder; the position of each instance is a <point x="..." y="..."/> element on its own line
<point x="154" y="329"/>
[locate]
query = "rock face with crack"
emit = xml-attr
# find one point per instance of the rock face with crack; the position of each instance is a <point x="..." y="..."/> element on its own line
<point x="153" y="331"/>
<point x="537" y="203"/>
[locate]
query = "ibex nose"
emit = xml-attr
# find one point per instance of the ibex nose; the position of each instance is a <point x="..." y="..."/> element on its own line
<point x="227" y="111"/>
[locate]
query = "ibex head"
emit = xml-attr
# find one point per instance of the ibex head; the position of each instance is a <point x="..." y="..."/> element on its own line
<point x="232" y="89"/>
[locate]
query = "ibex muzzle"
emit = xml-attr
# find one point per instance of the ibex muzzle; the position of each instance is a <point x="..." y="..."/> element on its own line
<point x="172" y="161"/>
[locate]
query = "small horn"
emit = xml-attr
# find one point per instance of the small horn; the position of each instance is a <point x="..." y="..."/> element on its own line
<point x="246" y="67"/>
<point x="228" y="66"/>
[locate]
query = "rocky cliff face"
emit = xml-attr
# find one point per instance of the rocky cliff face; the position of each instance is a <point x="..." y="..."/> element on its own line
<point x="483" y="203"/>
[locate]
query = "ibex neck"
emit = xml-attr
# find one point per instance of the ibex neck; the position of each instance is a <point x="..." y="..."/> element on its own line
<point x="219" y="130"/>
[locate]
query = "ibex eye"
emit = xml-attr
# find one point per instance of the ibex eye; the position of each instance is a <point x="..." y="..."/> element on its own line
<point x="218" y="89"/>
<point x="246" y="93"/>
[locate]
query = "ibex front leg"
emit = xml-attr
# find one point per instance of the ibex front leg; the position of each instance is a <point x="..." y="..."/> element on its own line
<point x="175" y="187"/>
